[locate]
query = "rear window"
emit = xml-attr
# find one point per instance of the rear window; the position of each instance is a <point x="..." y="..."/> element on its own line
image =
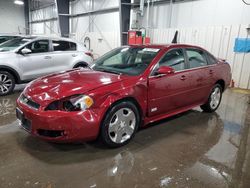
<point x="63" y="46"/>
<point x="211" y="59"/>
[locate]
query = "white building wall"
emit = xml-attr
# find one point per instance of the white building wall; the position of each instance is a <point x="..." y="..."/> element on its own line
<point x="103" y="29"/>
<point x="198" y="13"/>
<point x="210" y="12"/>
<point x="12" y="19"/>
<point x="47" y="27"/>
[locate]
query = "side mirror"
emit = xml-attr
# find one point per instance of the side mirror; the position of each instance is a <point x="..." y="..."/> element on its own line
<point x="165" y="70"/>
<point x="25" y="51"/>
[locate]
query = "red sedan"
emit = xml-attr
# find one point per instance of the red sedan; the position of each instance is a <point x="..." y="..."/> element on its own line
<point x="128" y="87"/>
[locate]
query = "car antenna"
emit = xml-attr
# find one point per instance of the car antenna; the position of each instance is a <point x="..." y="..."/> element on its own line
<point x="174" y="41"/>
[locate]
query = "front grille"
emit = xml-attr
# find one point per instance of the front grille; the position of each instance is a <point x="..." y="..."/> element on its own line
<point x="25" y="100"/>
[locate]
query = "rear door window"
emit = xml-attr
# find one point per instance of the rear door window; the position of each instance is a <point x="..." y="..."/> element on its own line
<point x="63" y="46"/>
<point x="196" y="58"/>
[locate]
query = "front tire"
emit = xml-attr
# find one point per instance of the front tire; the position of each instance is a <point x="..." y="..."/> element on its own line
<point x="120" y="124"/>
<point x="7" y="83"/>
<point x="81" y="65"/>
<point x="214" y="99"/>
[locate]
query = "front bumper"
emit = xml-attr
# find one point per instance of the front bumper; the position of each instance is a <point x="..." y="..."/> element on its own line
<point x="60" y="126"/>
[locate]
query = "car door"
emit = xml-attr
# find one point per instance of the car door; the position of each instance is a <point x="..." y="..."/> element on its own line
<point x="167" y="93"/>
<point x="63" y="55"/>
<point x="200" y="75"/>
<point x="38" y="62"/>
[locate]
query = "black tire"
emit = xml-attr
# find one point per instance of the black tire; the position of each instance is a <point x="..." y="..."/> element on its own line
<point x="81" y="65"/>
<point x="105" y="135"/>
<point x="7" y="83"/>
<point x="208" y="106"/>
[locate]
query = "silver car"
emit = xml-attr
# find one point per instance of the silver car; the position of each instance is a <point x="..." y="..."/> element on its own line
<point x="26" y="58"/>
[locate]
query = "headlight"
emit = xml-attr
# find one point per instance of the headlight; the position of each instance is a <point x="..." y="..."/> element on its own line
<point x="78" y="103"/>
<point x="73" y="103"/>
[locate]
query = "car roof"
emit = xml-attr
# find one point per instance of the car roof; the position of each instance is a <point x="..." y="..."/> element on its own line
<point x="10" y="35"/>
<point x="37" y="37"/>
<point x="164" y="46"/>
<point x="50" y="38"/>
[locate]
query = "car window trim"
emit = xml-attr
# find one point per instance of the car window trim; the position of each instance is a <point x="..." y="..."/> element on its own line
<point x="167" y="51"/>
<point x="185" y="70"/>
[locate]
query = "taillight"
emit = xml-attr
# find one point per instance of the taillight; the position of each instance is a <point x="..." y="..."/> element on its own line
<point x="89" y="54"/>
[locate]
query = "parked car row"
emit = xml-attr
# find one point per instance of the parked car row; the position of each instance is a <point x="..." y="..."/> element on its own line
<point x="125" y="89"/>
<point x="23" y="59"/>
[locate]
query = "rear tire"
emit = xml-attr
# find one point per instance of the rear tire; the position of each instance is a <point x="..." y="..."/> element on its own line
<point x="7" y="83"/>
<point x="120" y="124"/>
<point x="214" y="99"/>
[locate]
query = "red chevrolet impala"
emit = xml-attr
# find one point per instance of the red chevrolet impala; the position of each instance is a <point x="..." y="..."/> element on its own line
<point x="128" y="87"/>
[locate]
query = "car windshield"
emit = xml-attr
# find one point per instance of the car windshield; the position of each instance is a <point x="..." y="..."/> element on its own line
<point x="126" y="60"/>
<point x="4" y="39"/>
<point x="13" y="44"/>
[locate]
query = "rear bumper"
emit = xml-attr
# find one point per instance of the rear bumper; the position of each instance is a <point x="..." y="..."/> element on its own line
<point x="58" y="126"/>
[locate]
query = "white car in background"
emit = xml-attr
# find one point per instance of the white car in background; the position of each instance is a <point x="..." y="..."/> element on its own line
<point x="26" y="58"/>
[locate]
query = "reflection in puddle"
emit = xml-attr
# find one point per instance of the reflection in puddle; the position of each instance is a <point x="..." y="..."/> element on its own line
<point x="7" y="109"/>
<point x="165" y="181"/>
<point x="7" y="106"/>
<point x="222" y="165"/>
<point x="121" y="165"/>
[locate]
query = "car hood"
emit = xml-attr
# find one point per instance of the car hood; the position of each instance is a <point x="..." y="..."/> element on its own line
<point x="53" y="87"/>
<point x="5" y="55"/>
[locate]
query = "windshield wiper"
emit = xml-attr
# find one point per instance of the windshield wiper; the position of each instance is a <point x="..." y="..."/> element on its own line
<point x="108" y="71"/>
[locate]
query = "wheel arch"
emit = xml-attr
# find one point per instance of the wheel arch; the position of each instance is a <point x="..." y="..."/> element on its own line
<point x="80" y="63"/>
<point x="130" y="99"/>
<point x="11" y="71"/>
<point x="221" y="83"/>
<point x="114" y="101"/>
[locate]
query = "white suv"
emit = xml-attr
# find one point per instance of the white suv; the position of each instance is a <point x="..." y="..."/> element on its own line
<point x="26" y="58"/>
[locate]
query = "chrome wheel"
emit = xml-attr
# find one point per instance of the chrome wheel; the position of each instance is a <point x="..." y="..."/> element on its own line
<point x="215" y="98"/>
<point x="5" y="83"/>
<point x="122" y="125"/>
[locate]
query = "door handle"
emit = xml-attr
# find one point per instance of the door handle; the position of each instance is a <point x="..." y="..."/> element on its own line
<point x="47" y="57"/>
<point x="183" y="77"/>
<point x="74" y="55"/>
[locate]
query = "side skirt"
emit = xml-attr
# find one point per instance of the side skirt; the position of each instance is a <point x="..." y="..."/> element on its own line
<point x="148" y="120"/>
